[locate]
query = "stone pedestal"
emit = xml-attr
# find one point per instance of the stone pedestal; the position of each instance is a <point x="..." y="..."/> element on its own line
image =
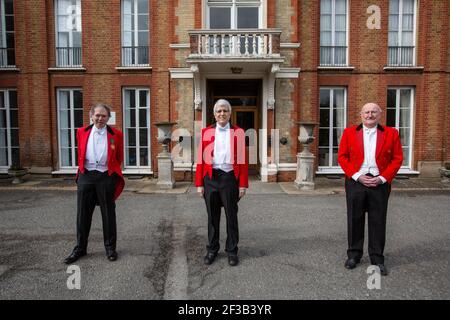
<point x="165" y="171"/>
<point x="305" y="171"/>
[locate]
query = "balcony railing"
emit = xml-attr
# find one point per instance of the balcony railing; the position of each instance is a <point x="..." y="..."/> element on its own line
<point x="333" y="56"/>
<point x="135" y="56"/>
<point x="7" y="58"/>
<point x="401" y="56"/>
<point x="68" y="57"/>
<point x="237" y="43"/>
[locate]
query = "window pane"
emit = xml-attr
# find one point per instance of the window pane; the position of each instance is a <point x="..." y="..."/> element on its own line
<point x="391" y="98"/>
<point x="325" y="38"/>
<point x="340" y="22"/>
<point x="405" y="98"/>
<point x="130" y="118"/>
<point x="339" y="96"/>
<point x="63" y="39"/>
<point x="393" y="22"/>
<point x="15" y="156"/>
<point x="131" y="138"/>
<point x="64" y="119"/>
<point x="408" y="6"/>
<point x="324" y="139"/>
<point x="143" y="99"/>
<point x="219" y="18"/>
<point x="405" y="118"/>
<point x="9" y="23"/>
<point x="390" y="117"/>
<point x="14" y="118"/>
<point x="340" y="6"/>
<point x="335" y="157"/>
<point x="130" y="99"/>
<point x="324" y="99"/>
<point x="324" y="157"/>
<point x="78" y="118"/>
<point x="77" y="39"/>
<point x="393" y="39"/>
<point x="131" y="157"/>
<point x="325" y="6"/>
<point x="143" y="157"/>
<point x="393" y="6"/>
<point x="9" y="8"/>
<point x="3" y="154"/>
<point x="143" y="137"/>
<point x="65" y="138"/>
<point x="324" y="117"/>
<point x="143" y="118"/>
<point x="337" y="134"/>
<point x="128" y="22"/>
<point x="64" y="6"/>
<point x="13" y="99"/>
<point x="2" y="119"/>
<point x="248" y="18"/>
<point x="142" y="6"/>
<point x="127" y="6"/>
<point x="338" y="118"/>
<point x="78" y="99"/>
<point x="406" y="157"/>
<point x="143" y="38"/>
<point x="143" y="22"/>
<point x="325" y="22"/>
<point x="405" y="136"/>
<point x="65" y="157"/>
<point x="3" y="138"/>
<point x="14" y="137"/>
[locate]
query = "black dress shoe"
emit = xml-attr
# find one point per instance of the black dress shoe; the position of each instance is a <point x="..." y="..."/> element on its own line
<point x="351" y="263"/>
<point x="233" y="260"/>
<point x="74" y="256"/>
<point x="209" y="258"/>
<point x="383" y="269"/>
<point x="112" y="256"/>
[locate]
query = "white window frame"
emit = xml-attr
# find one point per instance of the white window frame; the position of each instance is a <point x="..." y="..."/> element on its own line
<point x="72" y="127"/>
<point x="135" y="33"/>
<point x="333" y="34"/>
<point x="234" y="5"/>
<point x="137" y="168"/>
<point x="411" y="120"/>
<point x="399" y="33"/>
<point x="3" y="36"/>
<point x="331" y="168"/>
<point x="8" y="128"/>
<point x="77" y="16"/>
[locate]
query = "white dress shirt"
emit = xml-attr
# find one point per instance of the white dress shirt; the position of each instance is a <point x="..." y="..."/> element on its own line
<point x="97" y="150"/>
<point x="222" y="151"/>
<point x="370" y="145"/>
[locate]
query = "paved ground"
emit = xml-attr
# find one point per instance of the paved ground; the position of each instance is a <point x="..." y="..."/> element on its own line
<point x="292" y="246"/>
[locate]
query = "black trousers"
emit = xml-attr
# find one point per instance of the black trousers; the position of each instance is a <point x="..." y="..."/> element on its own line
<point x="222" y="190"/>
<point x="96" y="188"/>
<point x="374" y="201"/>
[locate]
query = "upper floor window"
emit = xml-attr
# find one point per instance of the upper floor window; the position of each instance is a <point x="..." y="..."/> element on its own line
<point x="135" y="33"/>
<point x="233" y="14"/>
<point x="401" y="42"/>
<point x="7" y="56"/>
<point x="68" y="33"/>
<point x="333" y="33"/>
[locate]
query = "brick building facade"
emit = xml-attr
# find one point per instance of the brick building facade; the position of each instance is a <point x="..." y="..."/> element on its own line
<point x="278" y="61"/>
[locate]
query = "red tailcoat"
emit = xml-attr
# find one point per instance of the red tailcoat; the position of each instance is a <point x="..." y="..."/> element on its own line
<point x="115" y="153"/>
<point x="206" y="154"/>
<point x="388" y="152"/>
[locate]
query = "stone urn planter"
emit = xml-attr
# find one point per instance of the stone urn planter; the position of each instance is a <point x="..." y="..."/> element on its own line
<point x="17" y="173"/>
<point x="445" y="173"/>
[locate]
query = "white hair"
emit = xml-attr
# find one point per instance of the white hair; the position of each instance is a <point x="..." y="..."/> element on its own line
<point x="222" y="102"/>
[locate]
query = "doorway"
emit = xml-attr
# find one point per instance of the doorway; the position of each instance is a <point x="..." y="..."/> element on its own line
<point x="244" y="97"/>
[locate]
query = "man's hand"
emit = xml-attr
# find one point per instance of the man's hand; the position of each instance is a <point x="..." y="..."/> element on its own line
<point x="369" y="181"/>
<point x="242" y="192"/>
<point x="200" y="191"/>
